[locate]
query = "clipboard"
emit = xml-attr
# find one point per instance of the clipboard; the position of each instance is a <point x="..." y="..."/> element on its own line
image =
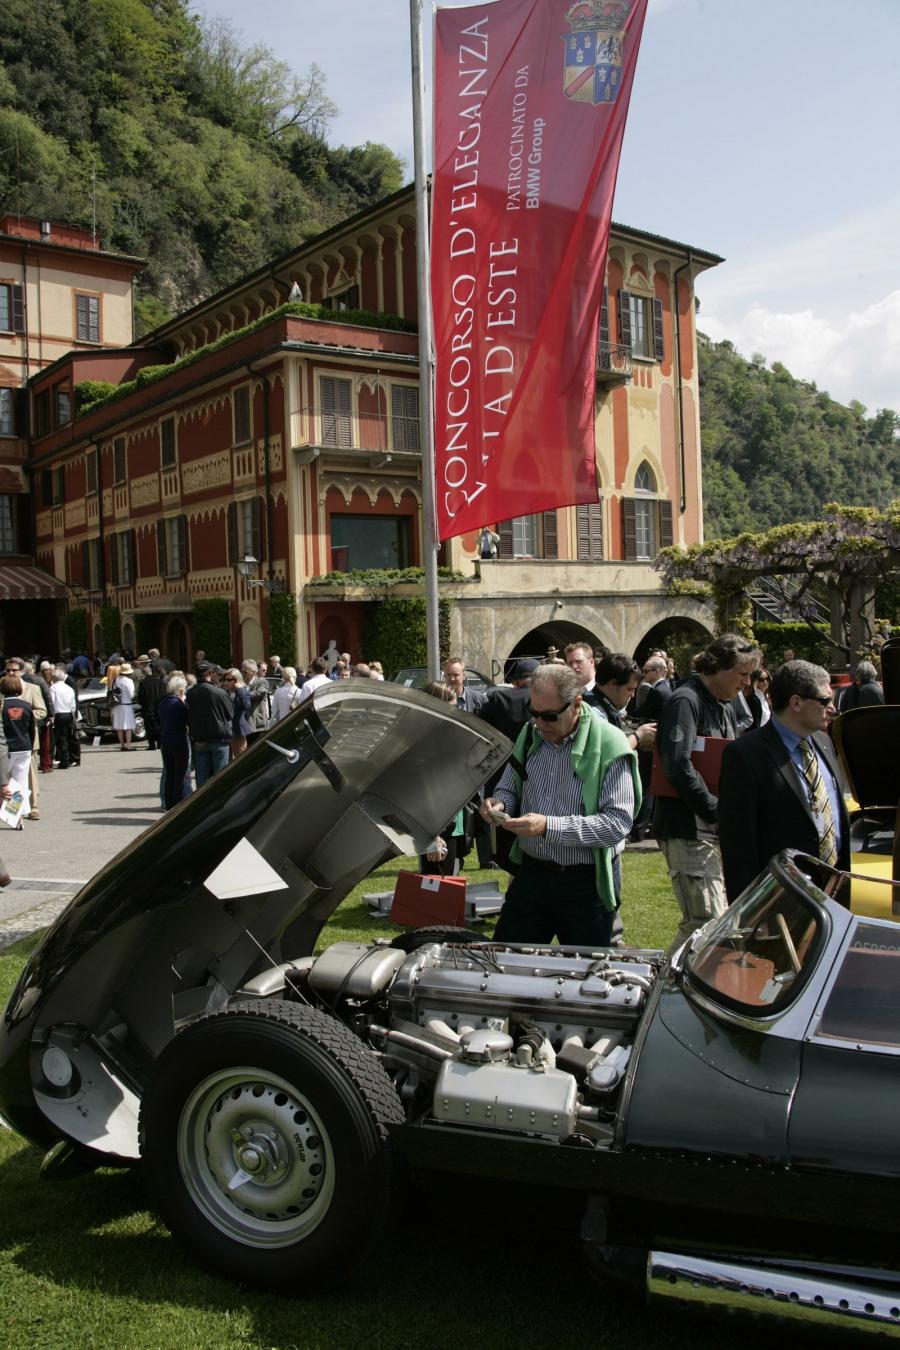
<point x="706" y="758"/>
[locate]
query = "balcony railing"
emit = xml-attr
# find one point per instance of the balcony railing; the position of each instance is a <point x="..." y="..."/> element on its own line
<point x="364" y="433"/>
<point x="614" y="363"/>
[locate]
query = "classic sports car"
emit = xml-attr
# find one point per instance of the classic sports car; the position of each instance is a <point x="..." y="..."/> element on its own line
<point x="730" y="1114"/>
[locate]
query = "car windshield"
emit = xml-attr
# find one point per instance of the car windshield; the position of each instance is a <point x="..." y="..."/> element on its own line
<point x="754" y="958"/>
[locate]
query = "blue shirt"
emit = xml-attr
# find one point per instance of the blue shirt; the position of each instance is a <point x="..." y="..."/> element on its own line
<point x="791" y="743"/>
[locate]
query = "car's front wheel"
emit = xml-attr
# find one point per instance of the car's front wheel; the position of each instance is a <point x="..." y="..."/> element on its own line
<point x="264" y="1142"/>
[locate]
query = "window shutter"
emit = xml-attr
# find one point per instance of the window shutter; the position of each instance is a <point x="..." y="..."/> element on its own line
<point x="505" y="547"/>
<point x="550" y="534"/>
<point x="128" y="540"/>
<point x="624" y="316"/>
<point x="20" y="412"/>
<point x="181" y="527"/>
<point x="256" y="540"/>
<point x="336" y="409"/>
<point x="658" y="346"/>
<point x="86" y="562"/>
<point x="18" y="309"/>
<point x="232" y="531"/>
<point x="114" y="559"/>
<point x="60" y="493"/>
<point x="161" y="547"/>
<point x="46" y="487"/>
<point x="666" y="535"/>
<point x="629" y="529"/>
<point x="589" y="532"/>
<point x="604" y="316"/>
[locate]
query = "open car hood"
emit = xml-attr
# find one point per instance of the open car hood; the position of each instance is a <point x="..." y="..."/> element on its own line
<point x="868" y="743"/>
<point x="244" y="873"/>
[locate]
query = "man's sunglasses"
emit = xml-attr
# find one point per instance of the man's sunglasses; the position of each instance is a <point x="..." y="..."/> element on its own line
<point x="553" y="715"/>
<point x="825" y="701"/>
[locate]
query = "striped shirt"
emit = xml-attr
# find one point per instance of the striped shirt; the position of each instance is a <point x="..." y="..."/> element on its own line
<point x="553" y="790"/>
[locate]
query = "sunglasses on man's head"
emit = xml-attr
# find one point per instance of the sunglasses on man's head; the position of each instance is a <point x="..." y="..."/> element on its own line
<point x="551" y="715"/>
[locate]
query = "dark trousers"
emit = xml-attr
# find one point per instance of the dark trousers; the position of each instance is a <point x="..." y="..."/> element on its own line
<point x="45" y="745"/>
<point x="543" y="902"/>
<point x="175" y="758"/>
<point x="66" y="746"/>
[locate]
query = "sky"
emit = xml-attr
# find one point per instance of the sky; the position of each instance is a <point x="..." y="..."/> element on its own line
<point x="766" y="131"/>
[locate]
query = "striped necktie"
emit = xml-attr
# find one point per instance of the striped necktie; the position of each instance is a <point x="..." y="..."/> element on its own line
<point x="819" y="802"/>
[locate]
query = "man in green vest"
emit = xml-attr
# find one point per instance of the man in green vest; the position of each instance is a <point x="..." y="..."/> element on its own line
<point x="569" y="795"/>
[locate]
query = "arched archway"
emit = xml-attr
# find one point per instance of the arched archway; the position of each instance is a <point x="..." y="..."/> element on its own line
<point x="554" y="633"/>
<point x="176" y="643"/>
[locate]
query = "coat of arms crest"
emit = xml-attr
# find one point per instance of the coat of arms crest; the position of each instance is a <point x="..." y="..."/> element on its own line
<point x="593" y="47"/>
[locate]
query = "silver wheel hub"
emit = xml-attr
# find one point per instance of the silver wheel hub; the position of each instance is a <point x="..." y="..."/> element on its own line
<point x="255" y="1157"/>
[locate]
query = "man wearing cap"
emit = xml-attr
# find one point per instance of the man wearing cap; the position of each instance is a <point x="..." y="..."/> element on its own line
<point x="506" y="707"/>
<point x="210" y="719"/>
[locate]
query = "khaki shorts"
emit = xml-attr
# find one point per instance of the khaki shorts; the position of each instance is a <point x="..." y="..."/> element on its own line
<point x="695" y="867"/>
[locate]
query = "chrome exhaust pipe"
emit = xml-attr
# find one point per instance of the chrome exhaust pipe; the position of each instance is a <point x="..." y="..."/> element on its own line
<point x="847" y="1300"/>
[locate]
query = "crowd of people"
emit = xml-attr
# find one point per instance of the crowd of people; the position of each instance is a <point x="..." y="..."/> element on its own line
<point x="199" y="720"/>
<point x="605" y="752"/>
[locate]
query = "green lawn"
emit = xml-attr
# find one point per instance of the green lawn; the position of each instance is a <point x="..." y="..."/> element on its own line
<point x="83" y="1263"/>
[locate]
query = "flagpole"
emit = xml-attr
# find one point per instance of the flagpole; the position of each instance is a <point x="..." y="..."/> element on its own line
<point x="426" y="394"/>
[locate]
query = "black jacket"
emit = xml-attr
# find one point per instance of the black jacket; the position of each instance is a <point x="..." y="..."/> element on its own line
<point x="692" y="711"/>
<point x="210" y="713"/>
<point x="867" y="695"/>
<point x="764" y="808"/>
<point x="506" y="709"/>
<point x="655" y="701"/>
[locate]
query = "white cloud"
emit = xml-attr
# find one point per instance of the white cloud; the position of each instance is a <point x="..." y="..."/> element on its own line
<point x="856" y="357"/>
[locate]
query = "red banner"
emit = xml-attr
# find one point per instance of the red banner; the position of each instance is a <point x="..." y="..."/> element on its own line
<point x="530" y="105"/>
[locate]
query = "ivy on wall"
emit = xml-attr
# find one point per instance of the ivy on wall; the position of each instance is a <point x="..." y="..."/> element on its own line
<point x="212" y="629"/>
<point x="110" y="628"/>
<point x="283" y="627"/>
<point x="395" y="633"/>
<point x="77" y="630"/>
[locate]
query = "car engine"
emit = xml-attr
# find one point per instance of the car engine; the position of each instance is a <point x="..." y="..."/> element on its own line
<point x="534" y="1040"/>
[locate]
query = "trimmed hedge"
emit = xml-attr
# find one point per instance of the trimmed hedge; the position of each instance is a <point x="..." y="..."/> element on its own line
<point x="395" y="632"/>
<point x="77" y="630"/>
<point x="774" y="638"/>
<point x="110" y="628"/>
<point x="212" y="629"/>
<point x="283" y="627"/>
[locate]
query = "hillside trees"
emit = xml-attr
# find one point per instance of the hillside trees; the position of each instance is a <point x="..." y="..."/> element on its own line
<point x="776" y="449"/>
<point x="204" y="156"/>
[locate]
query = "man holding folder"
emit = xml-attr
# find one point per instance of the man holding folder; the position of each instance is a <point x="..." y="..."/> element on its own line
<point x="685" y="823"/>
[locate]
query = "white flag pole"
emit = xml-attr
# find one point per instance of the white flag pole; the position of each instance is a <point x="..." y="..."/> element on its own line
<point x="426" y="394"/>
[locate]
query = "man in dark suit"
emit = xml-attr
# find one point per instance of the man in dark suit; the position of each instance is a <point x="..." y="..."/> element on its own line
<point x="658" y="691"/>
<point x="779" y="785"/>
<point x="506" y="707"/>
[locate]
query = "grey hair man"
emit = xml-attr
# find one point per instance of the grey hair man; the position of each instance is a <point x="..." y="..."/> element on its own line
<point x="258" y="689"/>
<point x="865" y="691"/>
<point x="569" y="795"/>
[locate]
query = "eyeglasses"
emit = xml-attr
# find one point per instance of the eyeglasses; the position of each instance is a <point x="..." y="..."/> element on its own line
<point x="764" y="679"/>
<point x="551" y="715"/>
<point x="826" y="700"/>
